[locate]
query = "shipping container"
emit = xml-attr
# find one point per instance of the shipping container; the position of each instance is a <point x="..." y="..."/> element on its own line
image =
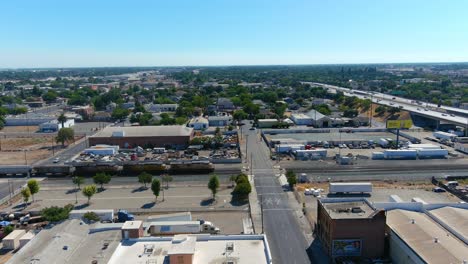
<point x="100" y="151"/>
<point x="12" y="240"/>
<point x="311" y="152"/>
<point x="423" y="146"/>
<point x="432" y="153"/>
<point x="25" y="239"/>
<point x="400" y="154"/>
<point x="378" y="155"/>
<point x="350" y="187"/>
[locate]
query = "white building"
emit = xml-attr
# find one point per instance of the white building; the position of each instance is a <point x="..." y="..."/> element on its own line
<point x="221" y="120"/>
<point x="199" y="123"/>
<point x="55" y="125"/>
<point x="193" y="249"/>
<point x="301" y="119"/>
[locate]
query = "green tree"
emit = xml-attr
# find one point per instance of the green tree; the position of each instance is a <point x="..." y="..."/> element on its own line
<point x="101" y="179"/>
<point x="239" y="115"/>
<point x="167" y="178"/>
<point x="213" y="185"/>
<point x="8" y="229"/>
<point x="33" y="187"/>
<point x="380" y="110"/>
<point x="292" y="178"/>
<point x="49" y="96"/>
<point x="394" y="110"/>
<point x="242" y="190"/>
<point x="65" y="134"/>
<point x="350" y="113"/>
<point x="26" y="193"/>
<point x="145" y="178"/>
<point x="91" y="216"/>
<point x="55" y="213"/>
<point x="156" y="188"/>
<point x="120" y="113"/>
<point x="78" y="180"/>
<point x="62" y="119"/>
<point x="89" y="191"/>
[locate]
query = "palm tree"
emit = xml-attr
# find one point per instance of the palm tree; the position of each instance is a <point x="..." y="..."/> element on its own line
<point x="62" y="119"/>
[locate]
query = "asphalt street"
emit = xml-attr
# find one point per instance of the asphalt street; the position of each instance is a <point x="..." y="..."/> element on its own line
<point x="287" y="242"/>
<point x="7" y="186"/>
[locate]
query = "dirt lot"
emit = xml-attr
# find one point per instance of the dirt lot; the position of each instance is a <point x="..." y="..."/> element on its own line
<point x="15" y="129"/>
<point x="37" y="148"/>
<point x="16" y="150"/>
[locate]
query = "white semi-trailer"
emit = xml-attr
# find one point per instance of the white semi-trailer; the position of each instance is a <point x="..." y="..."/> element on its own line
<point x="350" y="187"/>
<point x="444" y="135"/>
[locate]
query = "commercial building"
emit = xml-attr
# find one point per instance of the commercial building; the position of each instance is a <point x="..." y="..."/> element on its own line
<point x="428" y="233"/>
<point x="198" y="123"/>
<point x="193" y="249"/>
<point x="319" y="119"/>
<point x="161" y="108"/>
<point x="151" y="136"/>
<point x="301" y="119"/>
<point x="350" y="228"/>
<point x="55" y="125"/>
<point x="220" y="120"/>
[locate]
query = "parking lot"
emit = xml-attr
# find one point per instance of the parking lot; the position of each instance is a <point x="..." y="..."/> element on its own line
<point x="135" y="197"/>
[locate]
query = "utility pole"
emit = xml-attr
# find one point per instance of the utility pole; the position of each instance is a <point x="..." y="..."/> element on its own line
<point x="25" y="157"/>
<point x="246" y="147"/>
<point x="251" y="163"/>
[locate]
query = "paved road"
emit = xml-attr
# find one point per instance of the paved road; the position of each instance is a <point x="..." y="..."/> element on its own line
<point x="10" y="185"/>
<point x="65" y="155"/>
<point x="287" y="242"/>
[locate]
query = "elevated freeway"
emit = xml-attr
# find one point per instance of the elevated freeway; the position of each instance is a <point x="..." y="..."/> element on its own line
<point x="451" y="115"/>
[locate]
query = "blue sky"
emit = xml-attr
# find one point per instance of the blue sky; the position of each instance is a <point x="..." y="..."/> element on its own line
<point x="53" y="33"/>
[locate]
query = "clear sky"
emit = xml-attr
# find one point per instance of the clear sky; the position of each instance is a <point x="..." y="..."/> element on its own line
<point x="75" y="33"/>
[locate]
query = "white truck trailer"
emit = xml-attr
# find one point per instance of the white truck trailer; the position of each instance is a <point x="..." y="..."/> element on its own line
<point x="444" y="135"/>
<point x="104" y="215"/>
<point x="350" y="187"/>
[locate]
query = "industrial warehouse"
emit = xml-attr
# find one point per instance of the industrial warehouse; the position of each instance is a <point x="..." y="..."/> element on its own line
<point x="147" y="136"/>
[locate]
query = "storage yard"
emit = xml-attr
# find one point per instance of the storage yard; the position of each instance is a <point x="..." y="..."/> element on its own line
<point x="359" y="144"/>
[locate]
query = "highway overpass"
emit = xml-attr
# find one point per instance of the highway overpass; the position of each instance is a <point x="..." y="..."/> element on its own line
<point x="446" y="114"/>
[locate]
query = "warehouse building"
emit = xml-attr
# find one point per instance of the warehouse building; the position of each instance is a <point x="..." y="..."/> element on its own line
<point x="144" y="136"/>
<point x="350" y="228"/>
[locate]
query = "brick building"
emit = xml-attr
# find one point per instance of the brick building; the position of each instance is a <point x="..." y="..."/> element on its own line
<point x="350" y="228"/>
<point x="144" y="136"/>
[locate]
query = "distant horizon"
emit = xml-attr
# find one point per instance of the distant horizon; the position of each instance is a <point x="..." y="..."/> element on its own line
<point x="232" y="65"/>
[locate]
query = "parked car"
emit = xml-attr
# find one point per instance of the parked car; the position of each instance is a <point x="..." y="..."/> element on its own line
<point x="56" y="160"/>
<point x="438" y="190"/>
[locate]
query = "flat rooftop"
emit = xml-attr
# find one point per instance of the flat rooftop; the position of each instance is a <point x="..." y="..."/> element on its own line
<point x="48" y="245"/>
<point x="146" y="131"/>
<point x="456" y="218"/>
<point x="344" y="210"/>
<point x="420" y="237"/>
<point x="247" y="249"/>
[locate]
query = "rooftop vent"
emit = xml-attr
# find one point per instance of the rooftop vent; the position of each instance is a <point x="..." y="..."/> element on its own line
<point x="436" y="240"/>
<point x="229" y="247"/>
<point x="412" y="221"/>
<point x="356" y="210"/>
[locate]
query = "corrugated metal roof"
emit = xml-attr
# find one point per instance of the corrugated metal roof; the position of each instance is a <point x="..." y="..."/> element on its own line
<point x="146" y="131"/>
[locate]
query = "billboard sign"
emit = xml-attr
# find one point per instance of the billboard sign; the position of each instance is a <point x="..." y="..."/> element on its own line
<point x="346" y="247"/>
<point x="397" y="124"/>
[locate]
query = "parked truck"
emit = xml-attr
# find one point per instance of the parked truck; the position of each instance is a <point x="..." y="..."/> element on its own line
<point x="124" y="215"/>
<point x="350" y="187"/>
<point x="182" y="227"/>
